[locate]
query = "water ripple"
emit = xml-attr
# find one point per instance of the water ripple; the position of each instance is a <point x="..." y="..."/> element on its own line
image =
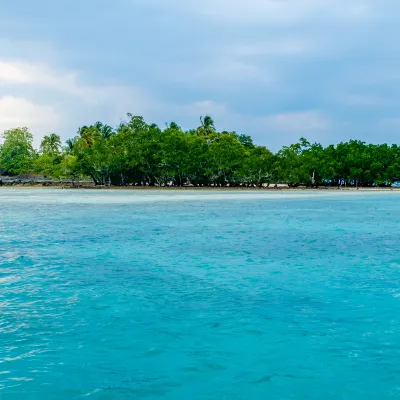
<point x="242" y="296"/>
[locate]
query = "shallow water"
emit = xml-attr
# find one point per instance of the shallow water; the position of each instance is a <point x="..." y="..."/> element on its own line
<point x="199" y="295"/>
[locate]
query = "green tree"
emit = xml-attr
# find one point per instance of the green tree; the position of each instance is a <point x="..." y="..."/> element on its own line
<point x="49" y="159"/>
<point x="225" y="156"/>
<point x="51" y="144"/>
<point x="17" y="154"/>
<point x="70" y="167"/>
<point x="141" y="153"/>
<point x="207" y="126"/>
<point x="259" y="167"/>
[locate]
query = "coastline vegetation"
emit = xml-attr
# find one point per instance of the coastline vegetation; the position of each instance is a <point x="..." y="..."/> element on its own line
<point x="138" y="153"/>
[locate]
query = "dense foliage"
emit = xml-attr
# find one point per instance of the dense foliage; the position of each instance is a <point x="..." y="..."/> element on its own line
<point x="138" y="153"/>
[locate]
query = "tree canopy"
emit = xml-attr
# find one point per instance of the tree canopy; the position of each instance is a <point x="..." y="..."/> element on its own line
<point x="139" y="153"/>
<point x="17" y="154"/>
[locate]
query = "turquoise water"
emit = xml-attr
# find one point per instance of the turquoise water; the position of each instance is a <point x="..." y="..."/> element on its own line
<point x="199" y="295"/>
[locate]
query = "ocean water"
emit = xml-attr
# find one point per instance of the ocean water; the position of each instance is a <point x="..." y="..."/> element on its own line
<point x="199" y="295"/>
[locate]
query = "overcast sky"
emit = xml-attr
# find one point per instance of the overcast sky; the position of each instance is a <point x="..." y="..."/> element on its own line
<point x="277" y="70"/>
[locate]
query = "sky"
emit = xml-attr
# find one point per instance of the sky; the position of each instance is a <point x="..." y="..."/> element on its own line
<point x="278" y="70"/>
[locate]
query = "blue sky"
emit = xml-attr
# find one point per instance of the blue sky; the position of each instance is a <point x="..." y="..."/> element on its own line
<point x="274" y="69"/>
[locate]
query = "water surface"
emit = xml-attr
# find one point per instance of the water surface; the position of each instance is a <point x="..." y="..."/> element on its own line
<point x="199" y="295"/>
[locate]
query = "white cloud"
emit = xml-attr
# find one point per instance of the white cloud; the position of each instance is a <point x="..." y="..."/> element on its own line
<point x="249" y="55"/>
<point x="66" y="82"/>
<point x="272" y="11"/>
<point x="303" y="121"/>
<point x="19" y="112"/>
<point x="28" y="86"/>
<point x="22" y="72"/>
<point x="44" y="76"/>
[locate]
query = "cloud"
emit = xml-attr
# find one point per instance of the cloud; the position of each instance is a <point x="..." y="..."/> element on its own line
<point x="66" y="82"/>
<point x="16" y="72"/>
<point x="40" y="74"/>
<point x="287" y="128"/>
<point x="46" y="99"/>
<point x="19" y="112"/>
<point x="274" y="12"/>
<point x="253" y="65"/>
<point x="303" y="121"/>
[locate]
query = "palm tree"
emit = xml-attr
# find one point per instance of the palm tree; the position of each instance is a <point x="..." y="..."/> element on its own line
<point x="87" y="135"/>
<point x="51" y="144"/>
<point x="70" y="143"/>
<point x="106" y="131"/>
<point x="98" y="125"/>
<point x="173" y="126"/>
<point x="207" y="126"/>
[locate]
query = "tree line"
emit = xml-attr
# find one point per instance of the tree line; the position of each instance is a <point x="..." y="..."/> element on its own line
<point x="138" y="153"/>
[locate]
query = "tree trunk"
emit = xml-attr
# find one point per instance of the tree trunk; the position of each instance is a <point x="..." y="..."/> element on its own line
<point x="94" y="179"/>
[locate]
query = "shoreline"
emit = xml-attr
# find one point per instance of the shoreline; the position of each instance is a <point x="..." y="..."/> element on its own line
<point x="193" y="188"/>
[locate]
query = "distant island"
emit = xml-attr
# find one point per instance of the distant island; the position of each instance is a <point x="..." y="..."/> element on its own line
<point x="140" y="154"/>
